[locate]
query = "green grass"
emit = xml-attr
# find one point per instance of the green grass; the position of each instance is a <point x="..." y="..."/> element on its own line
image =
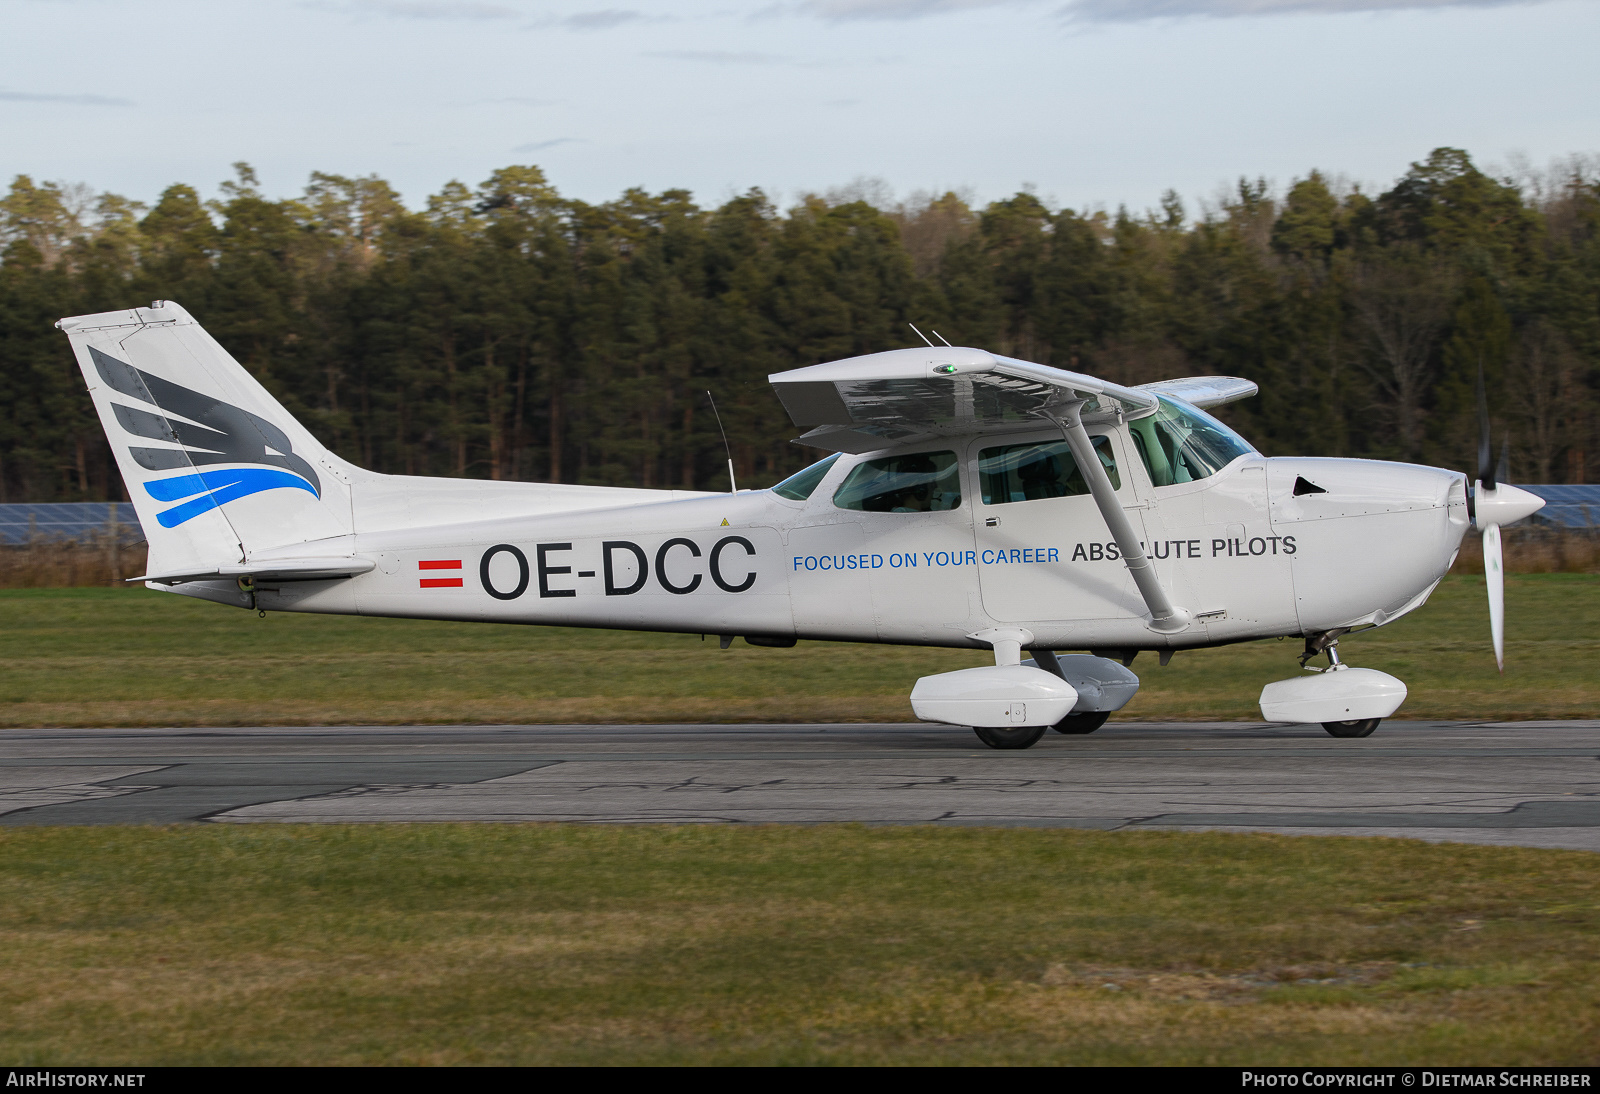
<point x="450" y="944"/>
<point x="80" y="657"/>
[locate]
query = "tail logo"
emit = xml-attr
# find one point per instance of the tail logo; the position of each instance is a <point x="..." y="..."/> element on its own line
<point x="214" y="433"/>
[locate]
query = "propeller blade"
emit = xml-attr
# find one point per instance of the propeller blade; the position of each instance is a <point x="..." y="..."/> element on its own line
<point x="1494" y="578"/>
<point x="1485" y="446"/>
<point x="1503" y="472"/>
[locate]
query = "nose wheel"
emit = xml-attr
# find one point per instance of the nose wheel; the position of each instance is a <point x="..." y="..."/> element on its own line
<point x="1355" y="727"/>
<point x="1010" y="737"/>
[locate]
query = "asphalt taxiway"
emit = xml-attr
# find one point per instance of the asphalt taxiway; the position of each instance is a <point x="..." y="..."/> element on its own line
<point x="1529" y="783"/>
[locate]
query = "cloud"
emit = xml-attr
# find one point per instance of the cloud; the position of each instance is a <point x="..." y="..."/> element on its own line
<point x="719" y="57"/>
<point x="845" y="10"/>
<point x="1135" y="11"/>
<point x="503" y="100"/>
<point x="601" y="20"/>
<point x="73" y="100"/>
<point x="437" y="9"/>
<point x="540" y="146"/>
<point x="1124" y="11"/>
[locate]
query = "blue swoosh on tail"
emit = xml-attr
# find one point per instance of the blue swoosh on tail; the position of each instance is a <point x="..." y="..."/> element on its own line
<point x="217" y="488"/>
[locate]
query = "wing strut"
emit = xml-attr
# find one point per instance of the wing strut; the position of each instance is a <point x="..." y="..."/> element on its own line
<point x="1165" y="617"/>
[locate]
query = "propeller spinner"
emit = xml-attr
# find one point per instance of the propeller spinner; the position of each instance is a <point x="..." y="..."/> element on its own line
<point x="1496" y="502"/>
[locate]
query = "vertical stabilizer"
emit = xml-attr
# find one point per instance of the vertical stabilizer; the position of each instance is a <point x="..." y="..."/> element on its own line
<point x="216" y="468"/>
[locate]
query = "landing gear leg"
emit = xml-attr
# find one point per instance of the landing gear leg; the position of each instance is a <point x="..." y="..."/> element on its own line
<point x="1010" y="737"/>
<point x="1327" y="642"/>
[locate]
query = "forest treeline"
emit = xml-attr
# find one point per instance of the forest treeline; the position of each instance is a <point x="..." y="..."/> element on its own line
<point x="505" y="331"/>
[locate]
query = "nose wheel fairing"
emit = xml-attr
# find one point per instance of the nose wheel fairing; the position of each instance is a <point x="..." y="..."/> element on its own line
<point x="1337" y="694"/>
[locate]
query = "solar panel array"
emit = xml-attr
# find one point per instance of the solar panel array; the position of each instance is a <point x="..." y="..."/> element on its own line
<point x="1567" y="506"/>
<point x="81" y="521"/>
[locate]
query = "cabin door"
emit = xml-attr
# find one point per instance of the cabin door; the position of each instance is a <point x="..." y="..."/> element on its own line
<point x="1043" y="550"/>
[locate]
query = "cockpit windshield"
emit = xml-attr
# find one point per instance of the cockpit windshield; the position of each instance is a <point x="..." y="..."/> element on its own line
<point x="800" y="485"/>
<point x="1181" y="443"/>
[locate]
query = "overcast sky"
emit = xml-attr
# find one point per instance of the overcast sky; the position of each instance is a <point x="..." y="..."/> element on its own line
<point x="1093" y="102"/>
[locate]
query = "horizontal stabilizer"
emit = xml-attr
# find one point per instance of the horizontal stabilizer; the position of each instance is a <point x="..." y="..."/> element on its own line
<point x="281" y="569"/>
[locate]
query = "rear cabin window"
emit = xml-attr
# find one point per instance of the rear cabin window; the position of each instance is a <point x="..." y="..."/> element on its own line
<point x="800" y="485"/>
<point x="927" y="482"/>
<point x="1181" y="443"/>
<point x="1029" y="472"/>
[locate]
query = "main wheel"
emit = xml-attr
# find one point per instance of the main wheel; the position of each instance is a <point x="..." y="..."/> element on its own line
<point x="1082" y="723"/>
<point x="1010" y="736"/>
<point x="1355" y="727"/>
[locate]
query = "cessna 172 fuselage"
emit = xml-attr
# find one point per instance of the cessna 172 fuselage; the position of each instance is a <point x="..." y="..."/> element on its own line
<point x="971" y="500"/>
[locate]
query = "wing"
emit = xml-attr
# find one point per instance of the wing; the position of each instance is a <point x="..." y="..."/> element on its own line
<point x="1204" y="391"/>
<point x="865" y="403"/>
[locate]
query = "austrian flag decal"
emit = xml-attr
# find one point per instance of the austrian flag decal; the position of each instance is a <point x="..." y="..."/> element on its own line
<point x="440" y="564"/>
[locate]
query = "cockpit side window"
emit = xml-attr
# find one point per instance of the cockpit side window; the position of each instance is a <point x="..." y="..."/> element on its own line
<point x="1029" y="472"/>
<point x="1181" y="443"/>
<point x="925" y="482"/>
<point x="801" y="485"/>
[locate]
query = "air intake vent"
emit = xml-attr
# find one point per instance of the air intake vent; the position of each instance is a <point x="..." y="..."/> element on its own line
<point x="1303" y="486"/>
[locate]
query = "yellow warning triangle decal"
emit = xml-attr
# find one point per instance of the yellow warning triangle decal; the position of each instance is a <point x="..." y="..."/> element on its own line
<point x="724" y="522"/>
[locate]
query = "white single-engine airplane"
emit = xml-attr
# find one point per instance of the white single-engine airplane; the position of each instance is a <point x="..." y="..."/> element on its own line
<point x="970" y="500"/>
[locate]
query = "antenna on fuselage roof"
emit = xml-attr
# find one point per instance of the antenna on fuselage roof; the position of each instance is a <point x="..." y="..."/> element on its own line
<point x="733" y="487"/>
<point x="941" y="338"/>
<point x="922" y="336"/>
